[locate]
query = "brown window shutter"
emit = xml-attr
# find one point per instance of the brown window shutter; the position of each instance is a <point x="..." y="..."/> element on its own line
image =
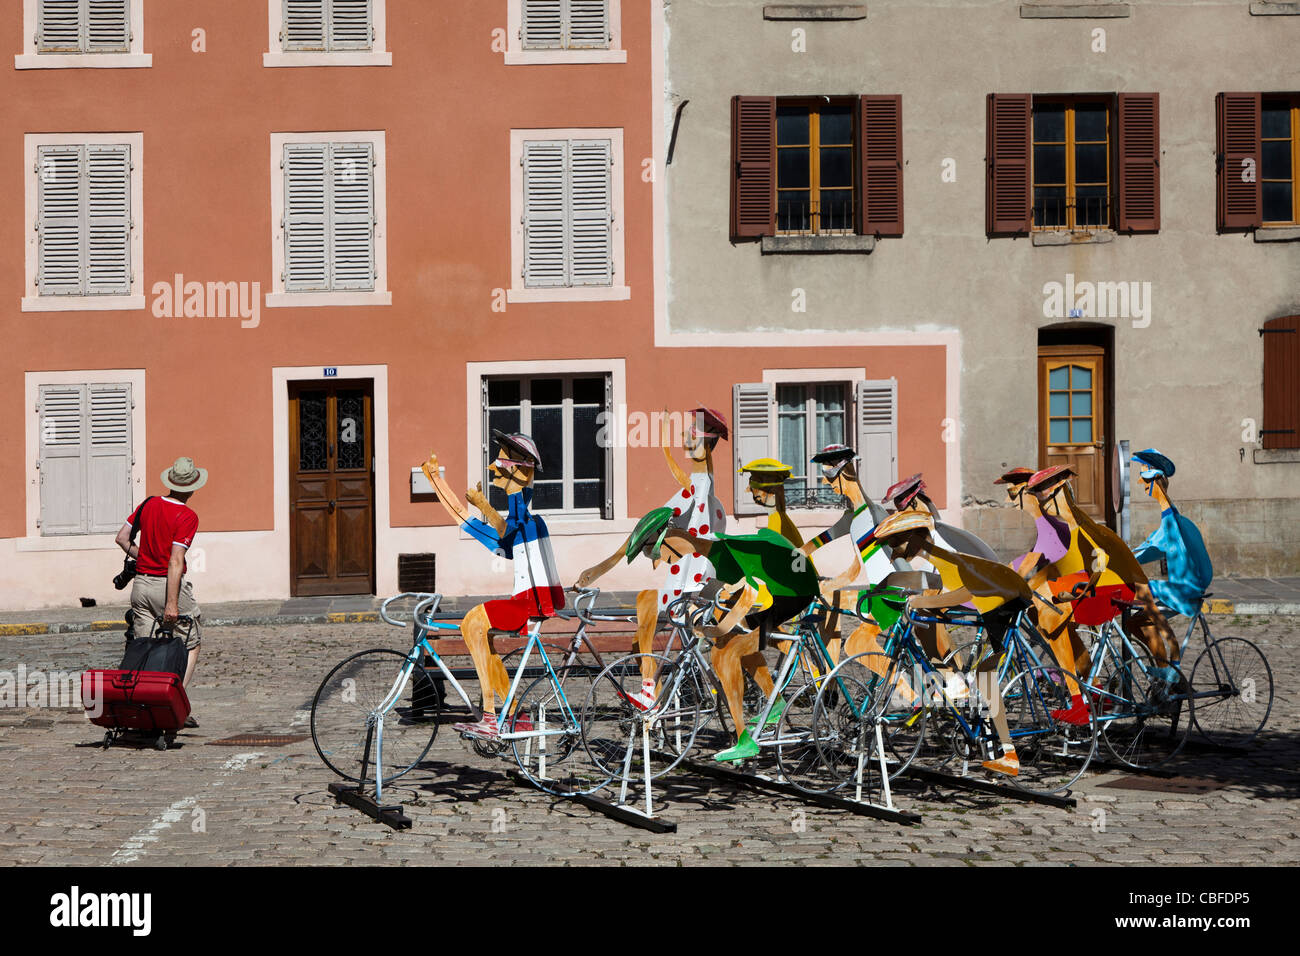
<point x="1008" y="201"/>
<point x="753" y="166"/>
<point x="1281" y="426"/>
<point x="880" y="164"/>
<point x="1139" y="162"/>
<point x="1239" y="203"/>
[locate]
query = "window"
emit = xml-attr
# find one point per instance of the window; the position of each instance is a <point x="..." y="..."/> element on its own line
<point x="329" y="219"/>
<point x="1070" y="405"/>
<point x="563" y="414"/>
<point x="83" y="197"/>
<point x="82" y="33"/>
<point x="814" y="169"/>
<point x="1279" y="142"/>
<point x="1072" y="163"/>
<point x="819" y="167"/>
<point x="793" y="420"/>
<point x="85" y="457"/>
<point x="566" y="211"/>
<point x="564" y="31"/>
<point x="1281" y="424"/>
<point x="327" y="33"/>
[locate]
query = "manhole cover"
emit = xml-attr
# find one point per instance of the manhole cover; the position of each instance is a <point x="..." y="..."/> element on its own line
<point x="1166" y="784"/>
<point x="259" y="740"/>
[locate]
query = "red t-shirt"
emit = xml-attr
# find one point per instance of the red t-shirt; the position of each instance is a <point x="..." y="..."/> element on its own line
<point x="165" y="522"/>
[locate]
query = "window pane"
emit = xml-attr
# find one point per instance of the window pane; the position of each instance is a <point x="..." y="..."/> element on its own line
<point x="352" y="430"/>
<point x="503" y="391"/>
<point x="1059" y="378"/>
<point x="829" y="398"/>
<point x="1049" y="164"/>
<point x="1276" y="162"/>
<point x="1049" y="123"/>
<point x="1081" y="379"/>
<point x="792" y="126"/>
<point x="792" y="168"/>
<point x="547" y="391"/>
<point x="548" y="495"/>
<point x="589" y="391"/>
<point x="1082" y="429"/>
<point x="312" y="435"/>
<point x="836" y="209"/>
<point x="1090" y="163"/>
<point x="1277" y="202"/>
<point x="588" y="494"/>
<point x="791" y="398"/>
<point x="1049" y="205"/>
<point x="548" y="433"/>
<point x="836" y="126"/>
<point x="1081" y="403"/>
<point x="1059" y="403"/>
<point x="588" y="457"/>
<point x="792" y="211"/>
<point x="1092" y="206"/>
<point x="1275" y="120"/>
<point x="1089" y="122"/>
<point x="1059" y="432"/>
<point x="837" y="167"/>
<point x="792" y="441"/>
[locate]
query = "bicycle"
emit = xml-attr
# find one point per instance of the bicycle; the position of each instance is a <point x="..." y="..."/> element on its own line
<point x="897" y="688"/>
<point x="352" y="714"/>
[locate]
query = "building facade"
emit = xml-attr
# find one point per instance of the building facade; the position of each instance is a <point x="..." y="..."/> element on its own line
<point x="1096" y="202"/>
<point x="308" y="243"/>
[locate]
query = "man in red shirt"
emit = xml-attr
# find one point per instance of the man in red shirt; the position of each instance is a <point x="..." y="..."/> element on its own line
<point x="167" y="528"/>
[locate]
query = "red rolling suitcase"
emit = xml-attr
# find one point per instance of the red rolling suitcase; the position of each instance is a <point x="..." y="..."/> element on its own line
<point x="152" y="702"/>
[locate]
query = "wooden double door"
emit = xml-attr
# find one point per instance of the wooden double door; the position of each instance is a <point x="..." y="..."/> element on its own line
<point x="1073" y="406"/>
<point x="331" y="488"/>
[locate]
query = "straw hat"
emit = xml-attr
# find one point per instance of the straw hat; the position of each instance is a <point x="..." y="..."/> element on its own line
<point x="184" y="475"/>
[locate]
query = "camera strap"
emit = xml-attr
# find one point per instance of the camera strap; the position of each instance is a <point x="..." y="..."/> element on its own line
<point x="139" y="513"/>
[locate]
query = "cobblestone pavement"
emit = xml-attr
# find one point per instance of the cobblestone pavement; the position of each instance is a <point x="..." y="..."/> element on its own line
<point x="67" y="802"/>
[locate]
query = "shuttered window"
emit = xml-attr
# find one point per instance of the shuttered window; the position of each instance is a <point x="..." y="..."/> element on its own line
<point x="1238" y="118"/>
<point x="83" y="220"/>
<point x="568" y="213"/>
<point x="567" y="416"/>
<point x="875" y="406"/>
<point x="1279" y="164"/>
<point x="816" y="167"/>
<point x="83" y="26"/>
<point x="808" y="418"/>
<point x="753" y="411"/>
<point x="1072" y="163"/>
<point x="85" y="458"/>
<point x="327" y="25"/>
<point x="565" y="25"/>
<point x="329" y="217"/>
<point x="1281" y="425"/>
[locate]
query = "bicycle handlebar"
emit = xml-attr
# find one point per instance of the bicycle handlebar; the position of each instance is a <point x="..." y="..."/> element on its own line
<point x="424" y="597"/>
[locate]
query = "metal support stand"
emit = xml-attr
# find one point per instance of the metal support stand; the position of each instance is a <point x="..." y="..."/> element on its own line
<point x="984" y="786"/>
<point x="357" y="798"/>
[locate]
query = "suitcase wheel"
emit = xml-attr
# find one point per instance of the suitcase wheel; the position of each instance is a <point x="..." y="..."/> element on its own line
<point x="161" y="742"/>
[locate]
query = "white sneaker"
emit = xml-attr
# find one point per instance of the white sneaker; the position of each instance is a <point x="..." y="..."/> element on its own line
<point x="644" y="699"/>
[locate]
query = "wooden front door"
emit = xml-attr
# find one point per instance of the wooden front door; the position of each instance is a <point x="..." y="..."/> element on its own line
<point x="1072" y="419"/>
<point x="331" y="488"/>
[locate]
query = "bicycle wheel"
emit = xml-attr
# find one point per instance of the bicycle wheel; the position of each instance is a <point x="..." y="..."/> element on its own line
<point x="797" y="755"/>
<point x="611" y="724"/>
<point x="860" y="689"/>
<point x="553" y="757"/>
<point x="1236" y="674"/>
<point x="1052" y="754"/>
<point x="346" y="710"/>
<point x="1142" y="721"/>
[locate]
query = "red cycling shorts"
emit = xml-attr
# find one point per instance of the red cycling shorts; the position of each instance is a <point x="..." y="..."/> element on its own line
<point x="513" y="613"/>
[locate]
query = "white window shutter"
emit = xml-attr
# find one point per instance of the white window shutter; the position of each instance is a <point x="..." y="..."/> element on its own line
<point x="303" y="25"/>
<point x="349" y="24"/>
<point x="588" y="25"/>
<point x="591" y="213"/>
<point x="876" y="412"/>
<point x="306" y="217"/>
<point x="545" y="213"/>
<point x="59" y="26"/>
<point x="108" y="26"/>
<point x="543" y="24"/>
<point x="752" y="405"/>
<point x="352" y="216"/>
<point x="108" y="220"/>
<point x="60" y="219"/>
<point x="108" y="465"/>
<point x="62" y="468"/>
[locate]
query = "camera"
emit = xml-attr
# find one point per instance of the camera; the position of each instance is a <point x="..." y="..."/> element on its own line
<point x="126" y="574"/>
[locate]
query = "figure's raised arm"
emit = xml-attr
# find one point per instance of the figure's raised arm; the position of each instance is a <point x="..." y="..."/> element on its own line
<point x="594" y="573"/>
<point x="446" y="497"/>
<point x="665" y="442"/>
<point x="479" y="500"/>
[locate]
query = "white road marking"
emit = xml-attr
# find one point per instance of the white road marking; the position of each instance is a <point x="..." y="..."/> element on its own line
<point x="134" y="848"/>
<point x="300" y="717"/>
